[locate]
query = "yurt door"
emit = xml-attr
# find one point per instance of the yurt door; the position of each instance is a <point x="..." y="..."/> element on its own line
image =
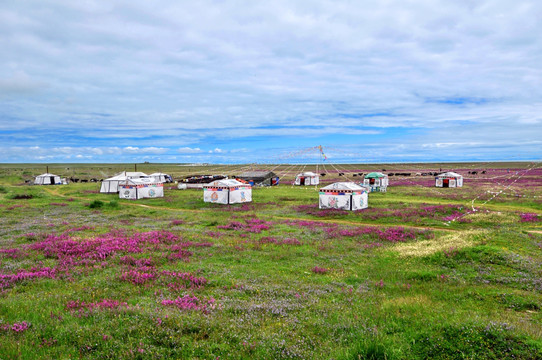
<point x="302" y="181"/>
<point x="52" y="180"/>
<point x="446" y="183"/>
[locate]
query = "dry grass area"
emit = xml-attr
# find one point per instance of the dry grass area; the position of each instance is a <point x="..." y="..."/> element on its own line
<point x="445" y="242"/>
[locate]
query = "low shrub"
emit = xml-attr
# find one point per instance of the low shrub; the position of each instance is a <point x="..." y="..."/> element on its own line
<point x="96" y="204"/>
<point x="21" y="196"/>
<point x="371" y="348"/>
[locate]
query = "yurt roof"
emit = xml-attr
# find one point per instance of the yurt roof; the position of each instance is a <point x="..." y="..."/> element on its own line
<point x="140" y="181"/>
<point x="375" y="175"/>
<point x="126" y="174"/>
<point x="343" y="186"/>
<point x="46" y="175"/>
<point x="308" y="173"/>
<point x="133" y="173"/>
<point x="158" y="174"/>
<point x="226" y="183"/>
<point x="449" y="174"/>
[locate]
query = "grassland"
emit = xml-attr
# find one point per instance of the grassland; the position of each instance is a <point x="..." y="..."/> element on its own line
<point x="423" y="273"/>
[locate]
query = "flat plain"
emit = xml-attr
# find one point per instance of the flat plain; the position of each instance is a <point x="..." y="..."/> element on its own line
<point x="424" y="272"/>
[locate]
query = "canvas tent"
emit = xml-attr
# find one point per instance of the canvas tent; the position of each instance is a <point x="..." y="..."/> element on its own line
<point x="142" y="188"/>
<point x="47" y="179"/>
<point x="343" y="196"/>
<point x="111" y="185"/>
<point x="307" y="178"/>
<point x="262" y="178"/>
<point x="449" y="179"/>
<point x="377" y="181"/>
<point x="161" y="177"/>
<point x="227" y="191"/>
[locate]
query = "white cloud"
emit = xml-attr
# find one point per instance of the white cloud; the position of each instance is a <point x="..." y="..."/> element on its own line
<point x="20" y="83"/>
<point x="135" y="78"/>
<point x="188" y="150"/>
<point x="147" y="150"/>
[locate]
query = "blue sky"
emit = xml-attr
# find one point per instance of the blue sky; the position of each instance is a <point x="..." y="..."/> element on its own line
<point x="250" y="81"/>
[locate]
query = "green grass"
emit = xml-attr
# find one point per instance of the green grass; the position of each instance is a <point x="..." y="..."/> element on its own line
<point x="461" y="290"/>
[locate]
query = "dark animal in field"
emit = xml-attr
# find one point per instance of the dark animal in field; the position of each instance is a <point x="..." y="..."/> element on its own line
<point x="355" y="175"/>
<point x="483" y="171"/>
<point x="93" y="180"/>
<point x="341" y="174"/>
<point x="360" y="174"/>
<point x="391" y="174"/>
<point x="74" y="180"/>
<point x="322" y="174"/>
<point x="383" y="169"/>
<point x="84" y="181"/>
<point x="424" y="174"/>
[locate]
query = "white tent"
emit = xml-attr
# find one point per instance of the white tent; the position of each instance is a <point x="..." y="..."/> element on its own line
<point x="161" y="177"/>
<point x="227" y="191"/>
<point x="449" y="179"/>
<point x="140" y="189"/>
<point x="47" y="179"/>
<point x="111" y="185"/>
<point x="376" y="181"/>
<point x="344" y="196"/>
<point x="307" y="178"/>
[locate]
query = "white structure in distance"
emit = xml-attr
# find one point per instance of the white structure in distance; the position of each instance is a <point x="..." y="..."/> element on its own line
<point x="47" y="179"/>
<point x="111" y="185"/>
<point x="449" y="180"/>
<point x="376" y="181"/>
<point x="307" y="178"/>
<point x="143" y="188"/>
<point x="343" y="196"/>
<point x="227" y="191"/>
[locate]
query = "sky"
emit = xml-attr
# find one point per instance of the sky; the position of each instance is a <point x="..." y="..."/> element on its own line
<point x="268" y="82"/>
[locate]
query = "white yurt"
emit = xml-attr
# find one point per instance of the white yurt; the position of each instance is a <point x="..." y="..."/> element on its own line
<point x="449" y="179"/>
<point x="111" y="185"/>
<point x="343" y="196"/>
<point x="377" y="181"/>
<point x="47" y="179"/>
<point x="227" y="191"/>
<point x="307" y="178"/>
<point x="142" y="188"/>
<point x="161" y="177"/>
